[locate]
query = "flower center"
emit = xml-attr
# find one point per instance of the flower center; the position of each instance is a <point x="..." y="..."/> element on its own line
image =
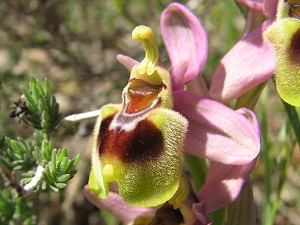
<point x="294" y="10"/>
<point x="142" y="95"/>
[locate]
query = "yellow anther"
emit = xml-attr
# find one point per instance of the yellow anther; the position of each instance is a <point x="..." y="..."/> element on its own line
<point x="146" y="36"/>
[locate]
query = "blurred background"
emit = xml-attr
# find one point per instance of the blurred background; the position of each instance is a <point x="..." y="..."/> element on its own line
<point x="74" y="44"/>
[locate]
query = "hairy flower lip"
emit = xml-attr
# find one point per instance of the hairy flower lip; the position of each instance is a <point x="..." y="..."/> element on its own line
<point x="140" y="138"/>
<point x="284" y="36"/>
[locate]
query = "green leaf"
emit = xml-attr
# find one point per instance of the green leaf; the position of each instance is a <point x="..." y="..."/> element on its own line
<point x="58" y="167"/>
<point x="294" y="119"/>
<point x="36" y="95"/>
<point x="46" y="175"/>
<point x="30" y="101"/>
<point x="4" y="161"/>
<point x="52" y="170"/>
<point x="37" y="154"/>
<point x="53" y="188"/>
<point x="15" y="209"/>
<point x="19" y="154"/>
<point x="63" y="178"/>
<point x="64" y="164"/>
<point x="48" y="91"/>
<point x="74" y="161"/>
<point x="60" y="185"/>
<point x="26" y="180"/>
<point x="56" y="173"/>
<point x="29" y="174"/>
<point x="40" y="89"/>
<point x="7" y="206"/>
<point x="197" y="168"/>
<point x="62" y="153"/>
<point x="42" y="106"/>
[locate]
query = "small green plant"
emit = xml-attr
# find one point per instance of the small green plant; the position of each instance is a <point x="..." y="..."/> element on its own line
<point x="32" y="164"/>
<point x="43" y="110"/>
<point x="14" y="209"/>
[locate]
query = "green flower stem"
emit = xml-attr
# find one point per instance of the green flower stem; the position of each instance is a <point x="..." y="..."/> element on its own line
<point x="219" y="216"/>
<point x="287" y="154"/>
<point x="198" y="170"/>
<point x="293" y="118"/>
<point x="250" y="98"/>
<point x="242" y="210"/>
<point x="268" y="163"/>
<point x="243" y="10"/>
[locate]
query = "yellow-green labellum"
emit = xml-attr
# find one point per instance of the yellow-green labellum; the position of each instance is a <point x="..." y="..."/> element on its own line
<point x="138" y="144"/>
<point x="285" y="38"/>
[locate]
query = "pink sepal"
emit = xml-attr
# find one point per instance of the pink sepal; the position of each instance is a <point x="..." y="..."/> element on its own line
<point x="249" y="63"/>
<point x="116" y="206"/>
<point x="223" y="184"/>
<point x="186" y="42"/>
<point x="217" y="132"/>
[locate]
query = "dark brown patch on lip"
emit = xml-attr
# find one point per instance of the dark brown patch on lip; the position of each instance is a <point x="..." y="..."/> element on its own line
<point x="294" y="49"/>
<point x="143" y="143"/>
<point x="104" y="126"/>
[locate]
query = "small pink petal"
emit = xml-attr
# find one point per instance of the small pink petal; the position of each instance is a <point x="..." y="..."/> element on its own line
<point x="126" y="61"/>
<point x="249" y="63"/>
<point x="249" y="22"/>
<point x="270" y="8"/>
<point x="116" y="206"/>
<point x="177" y="75"/>
<point x="217" y="132"/>
<point x="186" y="42"/>
<point x="257" y="5"/>
<point x="251" y="117"/>
<point x="223" y="184"/>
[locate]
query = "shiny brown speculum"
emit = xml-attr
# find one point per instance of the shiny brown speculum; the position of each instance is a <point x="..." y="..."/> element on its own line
<point x="141" y="95"/>
<point x="294" y="10"/>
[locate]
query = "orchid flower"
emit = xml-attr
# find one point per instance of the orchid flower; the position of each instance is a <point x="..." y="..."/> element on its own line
<point x="142" y="137"/>
<point x="284" y="35"/>
<point x="139" y="144"/>
<point x="252" y="60"/>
